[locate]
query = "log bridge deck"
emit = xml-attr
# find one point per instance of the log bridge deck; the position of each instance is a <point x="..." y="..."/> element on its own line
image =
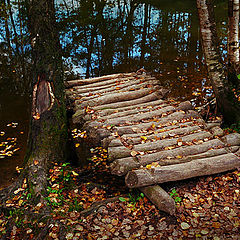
<point x="150" y="138"/>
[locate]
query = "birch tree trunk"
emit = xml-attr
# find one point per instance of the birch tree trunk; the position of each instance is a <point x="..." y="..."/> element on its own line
<point x="226" y="101"/>
<point x="233" y="41"/>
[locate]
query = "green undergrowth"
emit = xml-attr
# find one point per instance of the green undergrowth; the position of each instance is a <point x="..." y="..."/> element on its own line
<point x="233" y="128"/>
<point x="175" y="195"/>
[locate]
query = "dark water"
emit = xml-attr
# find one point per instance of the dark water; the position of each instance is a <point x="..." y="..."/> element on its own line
<point x="103" y="37"/>
<point x="14" y="122"/>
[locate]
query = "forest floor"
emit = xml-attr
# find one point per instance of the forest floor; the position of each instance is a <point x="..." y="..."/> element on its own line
<point x="90" y="203"/>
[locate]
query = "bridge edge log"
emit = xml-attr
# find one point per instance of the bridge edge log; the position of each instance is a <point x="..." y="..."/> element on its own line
<point x="201" y="167"/>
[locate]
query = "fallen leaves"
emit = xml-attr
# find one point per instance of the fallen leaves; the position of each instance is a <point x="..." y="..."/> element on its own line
<point x="8" y="145"/>
<point x="185" y="225"/>
<point x="134" y="153"/>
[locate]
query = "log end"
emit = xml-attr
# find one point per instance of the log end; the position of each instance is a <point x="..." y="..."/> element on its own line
<point x="131" y="179"/>
<point x="232" y="139"/>
<point x="185" y="106"/>
<point x="78" y="116"/>
<point x="121" y="166"/>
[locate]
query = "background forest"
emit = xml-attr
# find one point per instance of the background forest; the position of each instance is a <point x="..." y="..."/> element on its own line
<point x="51" y="199"/>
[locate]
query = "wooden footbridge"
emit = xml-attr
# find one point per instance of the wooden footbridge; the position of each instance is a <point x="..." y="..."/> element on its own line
<point x="150" y="138"/>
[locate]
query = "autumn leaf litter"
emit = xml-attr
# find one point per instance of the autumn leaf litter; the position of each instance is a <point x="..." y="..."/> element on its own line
<point x="207" y="207"/>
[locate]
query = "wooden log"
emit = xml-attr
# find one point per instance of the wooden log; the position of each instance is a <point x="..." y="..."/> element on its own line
<point x="80" y="112"/>
<point x="180" y="151"/>
<point x="232" y="139"/>
<point x="200" y="167"/>
<point x="107" y="141"/>
<point x="121" y="166"/>
<point x="234" y="149"/>
<point x="127" y="111"/>
<point x="160" y="198"/>
<point x="115" y="111"/>
<point x="134" y="139"/>
<point x="171" y="119"/>
<point x="117" y="97"/>
<point x="95" y="136"/>
<point x="77" y="117"/>
<point x="136" y="110"/>
<point x="140" y="116"/>
<point x="166" y="157"/>
<point x="159" y="94"/>
<point x="88" y="81"/>
<point x="133" y="127"/>
<point x="104" y="83"/>
<point x="86" y="89"/>
<point x="119" y="86"/>
<point x="125" y="130"/>
<point x="185" y="106"/>
<point x="121" y="152"/>
<point x="148" y="105"/>
<point x="133" y="87"/>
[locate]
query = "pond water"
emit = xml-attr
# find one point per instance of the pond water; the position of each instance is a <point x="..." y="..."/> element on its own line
<point x="103" y="37"/>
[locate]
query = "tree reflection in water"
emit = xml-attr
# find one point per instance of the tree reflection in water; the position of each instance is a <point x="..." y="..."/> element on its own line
<point x="101" y="37"/>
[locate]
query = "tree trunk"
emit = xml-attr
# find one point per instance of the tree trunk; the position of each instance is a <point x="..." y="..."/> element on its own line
<point x="233" y="41"/>
<point x="226" y="101"/>
<point x="48" y="130"/>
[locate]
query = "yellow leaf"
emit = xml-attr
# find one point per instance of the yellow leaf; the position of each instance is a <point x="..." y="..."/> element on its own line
<point x="144" y="138"/>
<point x="74" y="173"/>
<point x="155" y="164"/>
<point x="37" y="116"/>
<point x="20" y="202"/>
<point x="149" y="166"/>
<point x="179" y="156"/>
<point x="77" y="145"/>
<point x="134" y="153"/>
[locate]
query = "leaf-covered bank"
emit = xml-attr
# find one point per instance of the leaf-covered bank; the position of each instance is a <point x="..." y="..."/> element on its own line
<point x="88" y="203"/>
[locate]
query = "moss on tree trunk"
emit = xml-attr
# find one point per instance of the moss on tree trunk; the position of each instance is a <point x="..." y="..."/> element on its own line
<point x="48" y="131"/>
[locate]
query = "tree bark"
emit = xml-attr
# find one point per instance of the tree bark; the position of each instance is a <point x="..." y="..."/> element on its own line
<point x="121" y="152"/>
<point x="137" y="138"/>
<point x="167" y="157"/>
<point x="90" y="81"/>
<point x="117" y="97"/>
<point x="140" y="116"/>
<point x="105" y="108"/>
<point x="122" y="110"/>
<point x="172" y="118"/>
<point x="48" y="131"/>
<point x="132" y="87"/>
<point x="135" y="83"/>
<point x="233" y="41"/>
<point x="227" y="104"/>
<point x="122" y="166"/>
<point x="160" y="198"/>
